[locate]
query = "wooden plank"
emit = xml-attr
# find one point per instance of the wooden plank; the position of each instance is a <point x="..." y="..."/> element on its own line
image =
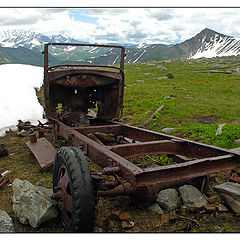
<point x="43" y="151"/>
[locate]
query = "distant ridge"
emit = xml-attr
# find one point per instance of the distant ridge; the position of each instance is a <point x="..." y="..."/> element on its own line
<point x="19" y="46"/>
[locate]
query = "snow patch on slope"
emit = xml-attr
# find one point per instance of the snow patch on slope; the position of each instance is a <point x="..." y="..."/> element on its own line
<point x="218" y="46"/>
<point x="17" y="94"/>
<point x="139" y="56"/>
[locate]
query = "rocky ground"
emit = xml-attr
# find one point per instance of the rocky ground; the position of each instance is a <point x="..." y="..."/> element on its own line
<point x="183" y="209"/>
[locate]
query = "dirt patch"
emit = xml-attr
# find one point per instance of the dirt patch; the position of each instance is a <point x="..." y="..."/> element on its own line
<point x="206" y="119"/>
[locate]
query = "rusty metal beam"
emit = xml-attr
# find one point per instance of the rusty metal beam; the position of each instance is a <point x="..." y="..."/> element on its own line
<point x="114" y="128"/>
<point x="144" y="148"/>
<point x="193" y="149"/>
<point x="172" y="175"/>
<point x="101" y="155"/>
<point x="162" y="176"/>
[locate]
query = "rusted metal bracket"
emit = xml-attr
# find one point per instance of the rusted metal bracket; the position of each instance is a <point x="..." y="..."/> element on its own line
<point x="3" y="178"/>
<point x="43" y="151"/>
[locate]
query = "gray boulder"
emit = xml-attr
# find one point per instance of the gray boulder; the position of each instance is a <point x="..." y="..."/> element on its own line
<point x="6" y="224"/>
<point x="155" y="208"/>
<point x="170" y="75"/>
<point x="192" y="197"/>
<point x="32" y="204"/>
<point x="229" y="188"/>
<point x="230" y="193"/>
<point x="168" y="199"/>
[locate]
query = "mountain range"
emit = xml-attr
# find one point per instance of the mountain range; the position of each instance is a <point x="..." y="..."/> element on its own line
<point x="25" y="47"/>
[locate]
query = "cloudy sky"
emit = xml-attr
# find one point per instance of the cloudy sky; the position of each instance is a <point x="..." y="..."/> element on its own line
<point x="123" y="25"/>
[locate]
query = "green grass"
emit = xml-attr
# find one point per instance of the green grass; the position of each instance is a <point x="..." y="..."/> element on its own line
<point x="196" y="96"/>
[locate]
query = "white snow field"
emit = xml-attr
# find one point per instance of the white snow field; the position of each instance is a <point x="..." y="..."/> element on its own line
<point x="18" y="98"/>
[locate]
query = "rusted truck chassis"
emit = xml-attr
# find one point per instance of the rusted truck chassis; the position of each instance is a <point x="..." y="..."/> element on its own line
<point x="70" y="91"/>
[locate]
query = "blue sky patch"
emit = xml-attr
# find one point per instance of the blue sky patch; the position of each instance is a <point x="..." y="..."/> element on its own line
<point x="82" y="16"/>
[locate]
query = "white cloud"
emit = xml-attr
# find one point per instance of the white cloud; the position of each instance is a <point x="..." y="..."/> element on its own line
<point x="122" y="25"/>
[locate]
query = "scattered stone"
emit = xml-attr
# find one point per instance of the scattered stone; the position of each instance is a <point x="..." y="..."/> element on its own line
<point x="155" y="208"/>
<point x="24" y="133"/>
<point x="211" y="207"/>
<point x="146" y="74"/>
<point x="161" y="68"/>
<point x="124" y="216"/>
<point x="6" y="224"/>
<point x="170" y="75"/>
<point x="237" y="141"/>
<point x="127" y="225"/>
<point x="97" y="229"/>
<point x="149" y="64"/>
<point x="168" y="130"/>
<point x="192" y="197"/>
<point x="161" y="78"/>
<point x="222" y="208"/>
<point x="141" y="81"/>
<point x="168" y="199"/>
<point x="32" y="204"/>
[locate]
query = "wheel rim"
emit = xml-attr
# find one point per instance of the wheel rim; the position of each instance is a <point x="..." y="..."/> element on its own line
<point x="63" y="195"/>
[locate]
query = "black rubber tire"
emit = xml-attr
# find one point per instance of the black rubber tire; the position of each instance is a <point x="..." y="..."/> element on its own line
<point x="81" y="187"/>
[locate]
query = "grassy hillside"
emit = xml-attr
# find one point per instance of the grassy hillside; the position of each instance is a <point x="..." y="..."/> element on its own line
<point x="195" y="103"/>
<point x="23" y="55"/>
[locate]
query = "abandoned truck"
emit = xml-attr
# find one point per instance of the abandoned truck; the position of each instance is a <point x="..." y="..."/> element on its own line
<point x="70" y="92"/>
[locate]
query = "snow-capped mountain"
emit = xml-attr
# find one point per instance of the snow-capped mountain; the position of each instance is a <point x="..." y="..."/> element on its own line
<point x="30" y="39"/>
<point x="214" y="44"/>
<point x="19" y="38"/>
<point x="26" y="46"/>
<point x="207" y="43"/>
